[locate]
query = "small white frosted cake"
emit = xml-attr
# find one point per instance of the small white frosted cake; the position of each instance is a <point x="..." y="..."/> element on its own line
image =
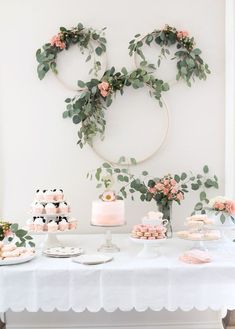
<point x="108" y="213"/>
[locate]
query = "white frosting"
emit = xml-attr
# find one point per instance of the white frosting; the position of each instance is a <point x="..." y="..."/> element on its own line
<point x="50" y="205"/>
<point x="63" y="221"/>
<point x="63" y="205"/>
<point x="52" y="224"/>
<point x="38" y="221"/>
<point x="108" y="213"/>
<point x="38" y="206"/>
<point x="49" y="192"/>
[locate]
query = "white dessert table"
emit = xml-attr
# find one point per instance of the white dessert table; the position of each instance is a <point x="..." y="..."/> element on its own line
<point x="125" y="283"/>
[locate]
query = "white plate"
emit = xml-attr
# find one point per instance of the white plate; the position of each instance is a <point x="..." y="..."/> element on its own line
<point x="63" y="252"/>
<point x="148" y="242"/>
<point x="19" y="260"/>
<point x="92" y="259"/>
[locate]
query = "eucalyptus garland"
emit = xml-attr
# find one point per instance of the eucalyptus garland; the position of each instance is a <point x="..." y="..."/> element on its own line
<point x="85" y="38"/>
<point x="190" y="65"/>
<point x="88" y="108"/>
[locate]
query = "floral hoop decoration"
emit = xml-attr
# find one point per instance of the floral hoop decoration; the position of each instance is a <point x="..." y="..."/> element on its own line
<point x="83" y="37"/>
<point x="87" y="108"/>
<point x="189" y="66"/>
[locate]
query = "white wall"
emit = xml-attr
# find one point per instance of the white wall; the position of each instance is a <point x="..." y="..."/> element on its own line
<point x="38" y="147"/>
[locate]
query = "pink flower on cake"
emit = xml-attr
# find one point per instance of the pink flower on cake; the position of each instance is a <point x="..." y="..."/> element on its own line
<point x="108" y="196"/>
<point x="104" y="88"/>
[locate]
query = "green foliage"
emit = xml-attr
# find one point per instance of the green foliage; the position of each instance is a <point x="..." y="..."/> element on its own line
<point x="80" y="36"/>
<point x="15" y="233"/>
<point x="89" y="106"/>
<point x="189" y="63"/>
<point x="109" y="174"/>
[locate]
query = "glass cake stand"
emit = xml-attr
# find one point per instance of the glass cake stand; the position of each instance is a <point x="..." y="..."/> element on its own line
<point x="108" y="246"/>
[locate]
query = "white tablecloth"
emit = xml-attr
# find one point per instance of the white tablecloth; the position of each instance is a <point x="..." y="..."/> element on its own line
<point x="127" y="282"/>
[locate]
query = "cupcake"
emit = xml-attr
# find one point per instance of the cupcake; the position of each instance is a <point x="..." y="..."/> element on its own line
<point x="30" y="224"/>
<point x="38" y="208"/>
<point x="73" y="223"/>
<point x="63" y="225"/>
<point x="52" y="226"/>
<point x="51" y="208"/>
<point x="38" y="224"/>
<point x="63" y="208"/>
<point x="58" y="194"/>
<point x="49" y="195"/>
<point x="39" y="195"/>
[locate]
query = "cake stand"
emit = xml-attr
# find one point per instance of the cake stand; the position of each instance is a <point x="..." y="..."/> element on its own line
<point x="150" y="247"/>
<point x="51" y="239"/>
<point x="200" y="243"/>
<point x="108" y="246"/>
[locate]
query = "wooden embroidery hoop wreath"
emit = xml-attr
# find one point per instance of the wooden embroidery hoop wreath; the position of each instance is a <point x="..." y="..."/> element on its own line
<point x="148" y="157"/>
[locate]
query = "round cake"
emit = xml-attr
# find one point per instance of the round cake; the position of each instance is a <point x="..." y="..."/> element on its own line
<point x="108" y="213"/>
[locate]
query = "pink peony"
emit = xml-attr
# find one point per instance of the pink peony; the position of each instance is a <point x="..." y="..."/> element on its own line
<point x="180" y="196"/>
<point x="152" y="190"/>
<point x="8" y="233"/>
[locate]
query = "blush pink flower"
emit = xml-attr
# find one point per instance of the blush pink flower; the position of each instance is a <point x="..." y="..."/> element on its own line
<point x="165" y="191"/>
<point x="56" y="41"/>
<point x="174" y="190"/>
<point x="104" y="88"/>
<point x="230" y="207"/>
<point x="152" y="190"/>
<point x="173" y="182"/>
<point x="8" y="233"/>
<point x="108" y="196"/>
<point x="180" y="196"/>
<point x="166" y="181"/>
<point x="182" y="34"/>
<point x="159" y="186"/>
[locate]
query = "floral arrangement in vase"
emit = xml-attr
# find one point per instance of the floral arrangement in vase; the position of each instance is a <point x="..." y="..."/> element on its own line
<point x="163" y="190"/>
<point x="10" y="232"/>
<point x="222" y="207"/>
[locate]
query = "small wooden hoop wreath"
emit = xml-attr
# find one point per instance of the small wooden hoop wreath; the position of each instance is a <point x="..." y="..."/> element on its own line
<point x="148" y="157"/>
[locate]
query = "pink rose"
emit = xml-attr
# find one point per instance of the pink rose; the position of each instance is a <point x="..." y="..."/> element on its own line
<point x="104" y="88"/>
<point x="174" y="190"/>
<point x="165" y="191"/>
<point x="104" y="93"/>
<point x="180" y="196"/>
<point x="173" y="182"/>
<point x="8" y="233"/>
<point x="182" y="34"/>
<point x="166" y="181"/>
<point x="230" y="207"/>
<point x="55" y="41"/>
<point x="152" y="190"/>
<point x="159" y="186"/>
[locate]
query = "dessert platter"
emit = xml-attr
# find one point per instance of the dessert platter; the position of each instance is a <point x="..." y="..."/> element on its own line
<point x="50" y="215"/>
<point x="108" y="212"/>
<point x="151" y="233"/>
<point x="10" y="254"/>
<point x="200" y="230"/>
<point x="63" y="252"/>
